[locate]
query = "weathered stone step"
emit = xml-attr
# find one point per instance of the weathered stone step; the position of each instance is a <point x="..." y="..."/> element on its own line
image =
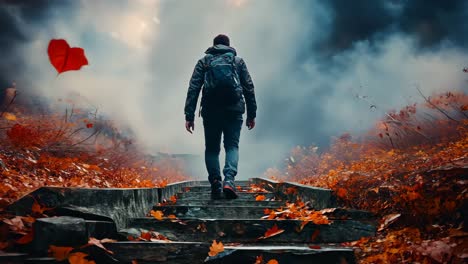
<point x="242" y="182"/>
<point x="207" y="188"/>
<point x="249" y="230"/>
<point x="207" y="195"/>
<point x="230" y="202"/>
<point x="213" y="211"/>
<point x="197" y="252"/>
<point x="23" y="258"/>
<point x="285" y="254"/>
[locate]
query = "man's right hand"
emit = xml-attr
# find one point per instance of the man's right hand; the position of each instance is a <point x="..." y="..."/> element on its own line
<point x="190" y="126"/>
<point x="250" y="124"/>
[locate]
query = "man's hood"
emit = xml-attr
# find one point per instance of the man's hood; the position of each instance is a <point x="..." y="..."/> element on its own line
<point x="220" y="49"/>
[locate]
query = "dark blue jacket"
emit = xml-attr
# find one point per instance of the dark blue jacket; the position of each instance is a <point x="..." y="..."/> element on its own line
<point x="198" y="78"/>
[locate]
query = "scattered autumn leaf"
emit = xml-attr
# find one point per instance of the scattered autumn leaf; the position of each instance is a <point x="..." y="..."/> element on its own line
<point x="272" y="261"/>
<point x="146" y="236"/>
<point x="64" y="58"/>
<point x="60" y="253"/>
<point x="260" y="198"/>
<point x="157" y="214"/>
<point x="273" y="231"/>
<point x="99" y="243"/>
<point x="341" y="192"/>
<point x="202" y="228"/>
<point x="79" y="258"/>
<point x="26" y="239"/>
<point x="388" y="220"/>
<point x="216" y="248"/>
<point x="9" y="116"/>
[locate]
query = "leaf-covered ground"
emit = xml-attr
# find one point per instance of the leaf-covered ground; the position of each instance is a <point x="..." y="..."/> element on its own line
<point x="411" y="170"/>
<point x="70" y="147"/>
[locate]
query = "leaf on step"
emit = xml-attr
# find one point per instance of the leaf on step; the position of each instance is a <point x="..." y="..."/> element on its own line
<point x="260" y="198"/>
<point x="291" y="190"/>
<point x="388" y="220"/>
<point x="60" y="253"/>
<point x="341" y="192"/>
<point x="272" y="232"/>
<point x="79" y="258"/>
<point x="173" y="199"/>
<point x="16" y="225"/>
<point x="272" y="261"/>
<point x="216" y="248"/>
<point x="4" y="245"/>
<point x="172" y="216"/>
<point x="98" y="243"/>
<point x="26" y="239"/>
<point x="157" y="214"/>
<point x="39" y="209"/>
<point x="259" y="260"/>
<point x="315" y="247"/>
<point x="146" y="236"/>
<point x="202" y="228"/>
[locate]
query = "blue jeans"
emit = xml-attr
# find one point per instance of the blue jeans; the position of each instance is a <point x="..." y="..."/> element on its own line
<point x="229" y="126"/>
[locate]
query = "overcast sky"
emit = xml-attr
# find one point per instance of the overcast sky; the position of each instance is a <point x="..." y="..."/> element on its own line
<point x="310" y="60"/>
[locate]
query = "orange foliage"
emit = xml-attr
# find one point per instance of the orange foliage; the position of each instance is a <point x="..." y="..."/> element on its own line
<point x="411" y="167"/>
<point x="69" y="150"/>
<point x="260" y="198"/>
<point x="273" y="231"/>
<point x="216" y="248"/>
<point x="60" y="253"/>
<point x="157" y="214"/>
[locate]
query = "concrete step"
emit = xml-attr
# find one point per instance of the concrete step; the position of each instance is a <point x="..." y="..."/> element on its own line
<point x="213" y="212"/>
<point x="207" y="195"/>
<point x="23" y="258"/>
<point x="229" y="202"/>
<point x="242" y="182"/>
<point x="207" y="188"/>
<point x="249" y="230"/>
<point x="195" y="252"/>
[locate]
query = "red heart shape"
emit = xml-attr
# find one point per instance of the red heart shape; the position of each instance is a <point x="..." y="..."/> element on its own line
<point x="64" y="58"/>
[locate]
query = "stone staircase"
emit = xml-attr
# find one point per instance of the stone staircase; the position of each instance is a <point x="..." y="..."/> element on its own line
<point x="238" y="224"/>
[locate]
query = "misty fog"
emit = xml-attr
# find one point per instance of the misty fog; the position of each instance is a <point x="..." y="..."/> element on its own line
<point x="310" y="61"/>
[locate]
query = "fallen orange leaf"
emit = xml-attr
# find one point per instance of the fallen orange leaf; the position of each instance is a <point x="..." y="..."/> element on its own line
<point x="259" y="259"/>
<point x="272" y="232"/>
<point x="146" y="236"/>
<point x="38" y="209"/>
<point x="60" y="253"/>
<point x="216" y="248"/>
<point x="157" y="214"/>
<point x="9" y="116"/>
<point x="79" y="258"/>
<point x="272" y="261"/>
<point x="96" y="242"/>
<point x="260" y="198"/>
<point x="315" y="247"/>
<point x="28" y="238"/>
<point x="172" y="216"/>
<point x="341" y="193"/>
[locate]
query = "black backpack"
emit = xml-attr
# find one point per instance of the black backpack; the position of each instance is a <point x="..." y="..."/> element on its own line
<point x="222" y="83"/>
